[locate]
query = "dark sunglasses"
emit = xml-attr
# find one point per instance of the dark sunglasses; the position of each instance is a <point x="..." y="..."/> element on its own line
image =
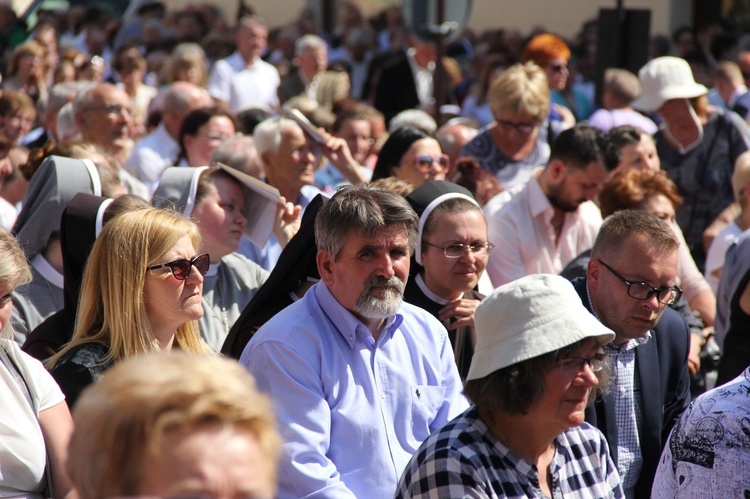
<point x="518" y="127"/>
<point x="181" y="268"/>
<point x="558" y="68"/>
<point x="424" y="162"/>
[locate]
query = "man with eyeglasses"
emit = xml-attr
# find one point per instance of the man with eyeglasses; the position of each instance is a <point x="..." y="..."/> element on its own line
<point x="629" y="283"/>
<point x="103" y="116"/>
<point x="552" y="219"/>
<point x="161" y="148"/>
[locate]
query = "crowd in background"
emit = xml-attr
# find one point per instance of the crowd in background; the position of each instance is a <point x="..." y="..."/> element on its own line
<point x="183" y="181"/>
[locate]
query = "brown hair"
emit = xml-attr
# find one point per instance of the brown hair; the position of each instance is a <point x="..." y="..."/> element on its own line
<point x="631" y="188"/>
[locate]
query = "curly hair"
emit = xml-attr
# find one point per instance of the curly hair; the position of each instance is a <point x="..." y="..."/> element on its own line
<point x="631" y="188"/>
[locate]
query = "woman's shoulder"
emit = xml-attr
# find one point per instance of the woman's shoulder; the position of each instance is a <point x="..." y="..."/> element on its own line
<point x="90" y="355"/>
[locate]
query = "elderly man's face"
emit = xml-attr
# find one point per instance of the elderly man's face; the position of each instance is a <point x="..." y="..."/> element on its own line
<point x="369" y="274"/>
<point x="636" y="261"/>
<point x="107" y="120"/>
<point x="292" y="166"/>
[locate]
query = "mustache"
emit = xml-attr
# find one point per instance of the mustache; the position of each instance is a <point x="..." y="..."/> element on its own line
<point x="394" y="284"/>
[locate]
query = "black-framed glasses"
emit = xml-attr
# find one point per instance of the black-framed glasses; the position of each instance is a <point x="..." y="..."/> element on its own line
<point x="457" y="250"/>
<point x="518" y="127"/>
<point x="181" y="268"/>
<point x="667" y="295"/>
<point x="425" y="162"/>
<point x="574" y="365"/>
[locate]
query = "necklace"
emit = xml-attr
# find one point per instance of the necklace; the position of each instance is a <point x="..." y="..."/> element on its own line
<point x="223" y="309"/>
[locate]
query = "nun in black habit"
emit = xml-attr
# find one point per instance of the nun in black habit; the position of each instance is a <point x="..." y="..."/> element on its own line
<point x="449" y="259"/>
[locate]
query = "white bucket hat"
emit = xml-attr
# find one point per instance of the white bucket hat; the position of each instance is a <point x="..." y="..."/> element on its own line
<point x="529" y="317"/>
<point x="666" y="78"/>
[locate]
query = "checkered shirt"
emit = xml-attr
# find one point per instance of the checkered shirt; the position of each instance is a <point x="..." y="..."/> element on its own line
<point x="628" y="413"/>
<point x="464" y="459"/>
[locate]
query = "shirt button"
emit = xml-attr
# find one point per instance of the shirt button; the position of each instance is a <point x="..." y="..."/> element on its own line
<point x="383" y="396"/>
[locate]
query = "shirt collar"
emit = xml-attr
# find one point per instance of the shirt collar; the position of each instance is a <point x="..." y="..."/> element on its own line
<point x="736" y="96"/>
<point x="348" y="326"/>
<point x="538" y="200"/>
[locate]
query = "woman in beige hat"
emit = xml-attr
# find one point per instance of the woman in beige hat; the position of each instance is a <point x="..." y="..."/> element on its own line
<point x="697" y="144"/>
<point x="537" y="363"/>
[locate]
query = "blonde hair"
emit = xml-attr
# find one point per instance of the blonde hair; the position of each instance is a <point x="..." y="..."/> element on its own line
<point x="623" y="85"/>
<point x="185" y="56"/>
<point x="139" y="402"/>
<point x="522" y="88"/>
<point x="31" y="47"/>
<point x="111" y="310"/>
<point x="14" y="270"/>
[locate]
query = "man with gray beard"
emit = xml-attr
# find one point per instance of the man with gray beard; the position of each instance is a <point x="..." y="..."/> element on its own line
<point x="358" y="378"/>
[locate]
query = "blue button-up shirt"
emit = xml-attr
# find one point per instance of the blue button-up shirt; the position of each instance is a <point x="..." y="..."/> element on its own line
<point x="352" y="410"/>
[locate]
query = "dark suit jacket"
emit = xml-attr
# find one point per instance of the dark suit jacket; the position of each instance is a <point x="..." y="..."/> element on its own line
<point x="661" y="368"/>
<point x="396" y="89"/>
<point x="290" y="86"/>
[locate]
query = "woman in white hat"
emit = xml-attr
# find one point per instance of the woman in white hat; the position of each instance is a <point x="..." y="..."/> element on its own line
<point x="538" y="361"/>
<point x="697" y="144"/>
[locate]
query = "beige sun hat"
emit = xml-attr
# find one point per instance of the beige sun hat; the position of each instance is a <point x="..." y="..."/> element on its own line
<point x="529" y="317"/>
<point x="666" y="78"/>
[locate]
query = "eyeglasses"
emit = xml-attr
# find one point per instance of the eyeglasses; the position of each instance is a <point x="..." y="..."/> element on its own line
<point x="518" y="127"/>
<point x="574" y="365"/>
<point x="181" y="268"/>
<point x="642" y="291"/>
<point x="424" y="162"/>
<point x="457" y="250"/>
<point x="215" y="136"/>
<point x="558" y="68"/>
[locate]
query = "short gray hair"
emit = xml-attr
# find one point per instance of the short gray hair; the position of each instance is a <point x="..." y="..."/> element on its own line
<point x="363" y="210"/>
<point x="309" y="42"/>
<point x="239" y="153"/>
<point x="267" y="134"/>
<point x="415" y="118"/>
<point x="62" y="93"/>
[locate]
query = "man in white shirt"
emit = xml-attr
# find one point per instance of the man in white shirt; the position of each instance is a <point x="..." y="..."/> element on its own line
<point x="243" y="80"/>
<point x="160" y="149"/>
<point x="552" y="220"/>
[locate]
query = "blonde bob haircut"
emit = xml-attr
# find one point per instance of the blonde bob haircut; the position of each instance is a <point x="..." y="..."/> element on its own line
<point x="111" y="309"/>
<point x="14" y="270"/>
<point x="521" y="89"/>
<point x="124" y="418"/>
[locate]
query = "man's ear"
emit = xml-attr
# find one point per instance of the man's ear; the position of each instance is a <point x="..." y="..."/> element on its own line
<point x="594" y="273"/>
<point x="325" y="266"/>
<point x="557" y="170"/>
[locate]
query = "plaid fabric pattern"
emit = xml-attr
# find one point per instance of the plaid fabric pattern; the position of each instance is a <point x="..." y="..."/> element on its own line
<point x="464" y="459"/>
<point x="628" y="413"/>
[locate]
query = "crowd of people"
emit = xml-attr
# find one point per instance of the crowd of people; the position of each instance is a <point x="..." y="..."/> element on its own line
<point x="239" y="260"/>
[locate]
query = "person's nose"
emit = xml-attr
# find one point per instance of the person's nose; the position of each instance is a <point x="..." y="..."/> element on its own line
<point x="194" y="277"/>
<point x="240" y="218"/>
<point x="386" y="267"/>
<point x="468" y="256"/>
<point x="588" y="376"/>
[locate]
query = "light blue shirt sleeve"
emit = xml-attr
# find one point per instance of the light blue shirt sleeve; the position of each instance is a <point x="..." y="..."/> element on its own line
<point x="352" y="411"/>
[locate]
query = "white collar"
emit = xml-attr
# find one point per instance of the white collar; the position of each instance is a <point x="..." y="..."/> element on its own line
<point x="48" y="271"/>
<point x="429" y="294"/>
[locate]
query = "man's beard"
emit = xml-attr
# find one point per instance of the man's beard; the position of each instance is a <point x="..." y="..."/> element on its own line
<point x="373" y="307"/>
<point x="557" y="202"/>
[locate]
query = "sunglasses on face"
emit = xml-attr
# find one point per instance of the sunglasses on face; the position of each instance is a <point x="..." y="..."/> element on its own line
<point x="424" y="162"/>
<point x="181" y="268"/>
<point x="558" y="68"/>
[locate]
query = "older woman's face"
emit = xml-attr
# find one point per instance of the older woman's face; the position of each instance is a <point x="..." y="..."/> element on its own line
<point x="449" y="277"/>
<point x="171" y="302"/>
<point x="517" y="127"/>
<point x="566" y="390"/>
<point x="408" y="169"/>
<point x="661" y="206"/>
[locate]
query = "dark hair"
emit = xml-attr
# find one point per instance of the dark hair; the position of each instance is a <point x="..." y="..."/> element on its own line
<point x="365" y="210"/>
<point x="581" y="145"/>
<point x="348" y="115"/>
<point x="514" y="389"/>
<point x="395" y="147"/>
<point x="248" y="119"/>
<point x="195" y="120"/>
<point x="208" y="179"/>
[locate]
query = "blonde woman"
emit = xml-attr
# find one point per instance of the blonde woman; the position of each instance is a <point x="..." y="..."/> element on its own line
<point x="517" y="142"/>
<point x="34" y="421"/>
<point x="141" y="292"/>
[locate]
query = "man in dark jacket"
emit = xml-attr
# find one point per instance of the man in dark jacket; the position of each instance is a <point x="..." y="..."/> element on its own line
<point x="630" y="280"/>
